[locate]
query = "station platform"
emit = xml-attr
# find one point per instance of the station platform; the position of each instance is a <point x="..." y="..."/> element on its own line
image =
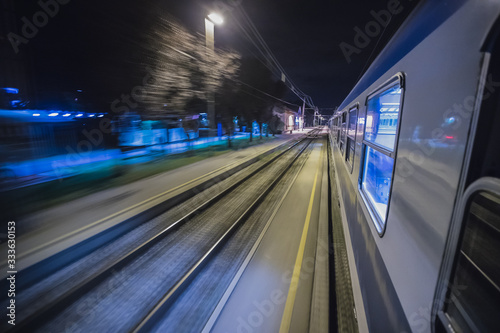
<point x="58" y="228"/>
<point x="283" y="286"/>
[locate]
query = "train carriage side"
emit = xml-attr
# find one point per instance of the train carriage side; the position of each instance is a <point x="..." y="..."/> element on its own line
<point x="401" y="143"/>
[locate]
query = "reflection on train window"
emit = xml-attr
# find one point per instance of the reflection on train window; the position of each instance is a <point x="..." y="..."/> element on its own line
<point x="382" y="117"/>
<point x="473" y="299"/>
<point x="381" y="125"/>
<point x="349" y="156"/>
<point x="376" y="184"/>
<point x="353" y="118"/>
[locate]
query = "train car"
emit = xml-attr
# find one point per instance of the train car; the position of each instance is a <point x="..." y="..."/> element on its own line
<point x="417" y="168"/>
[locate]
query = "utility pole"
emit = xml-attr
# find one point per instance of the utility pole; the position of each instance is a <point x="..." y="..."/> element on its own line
<point x="317" y="117"/>
<point x="210" y="22"/>
<point x="303" y="115"/>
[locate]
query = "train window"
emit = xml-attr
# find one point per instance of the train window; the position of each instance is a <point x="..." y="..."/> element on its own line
<point x="379" y="142"/>
<point x="337" y="130"/>
<point x="342" y="131"/>
<point x="473" y="296"/>
<point x="333" y="128"/>
<point x="353" y="119"/>
<point x="382" y="117"/>
<point x="351" y="137"/>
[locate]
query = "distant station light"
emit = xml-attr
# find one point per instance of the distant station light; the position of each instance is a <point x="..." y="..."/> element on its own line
<point x="91" y="115"/>
<point x="53" y="114"/>
<point x="79" y="115"/>
<point x="66" y="114"/>
<point x="36" y="115"/>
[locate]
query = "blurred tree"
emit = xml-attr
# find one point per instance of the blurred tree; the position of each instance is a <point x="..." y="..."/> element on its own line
<point x="228" y="106"/>
<point x="190" y="123"/>
<point x="181" y="69"/>
<point x="258" y="92"/>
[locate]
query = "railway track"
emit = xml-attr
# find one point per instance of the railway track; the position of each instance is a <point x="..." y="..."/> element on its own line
<point x="146" y="280"/>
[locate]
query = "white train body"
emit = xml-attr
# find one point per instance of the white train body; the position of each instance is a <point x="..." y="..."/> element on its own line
<point x="402" y="143"/>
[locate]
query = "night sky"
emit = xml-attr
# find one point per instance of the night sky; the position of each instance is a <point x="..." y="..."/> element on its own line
<point x="95" y="45"/>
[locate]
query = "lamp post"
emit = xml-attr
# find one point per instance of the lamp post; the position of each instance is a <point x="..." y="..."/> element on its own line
<point x="210" y="23"/>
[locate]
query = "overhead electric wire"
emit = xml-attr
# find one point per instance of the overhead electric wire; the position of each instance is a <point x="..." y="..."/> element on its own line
<point x="249" y="93"/>
<point x="266" y="52"/>
<point x="373" y="50"/>
<point x="249" y="37"/>
<point x="276" y="98"/>
<point x="273" y="58"/>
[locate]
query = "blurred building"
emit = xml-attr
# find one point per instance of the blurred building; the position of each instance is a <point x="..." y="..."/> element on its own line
<point x="289" y="119"/>
<point x="134" y="130"/>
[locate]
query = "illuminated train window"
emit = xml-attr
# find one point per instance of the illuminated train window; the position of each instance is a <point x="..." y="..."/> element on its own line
<point x="380" y="137"/>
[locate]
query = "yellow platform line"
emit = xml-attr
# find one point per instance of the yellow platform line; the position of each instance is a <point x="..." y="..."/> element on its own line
<point x="292" y="291"/>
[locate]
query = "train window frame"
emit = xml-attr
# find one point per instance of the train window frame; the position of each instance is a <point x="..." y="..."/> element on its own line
<point x="446" y="291"/>
<point x="371" y="148"/>
<point x="343" y="131"/>
<point x="334" y="128"/>
<point x="337" y="131"/>
<point x="351" y="139"/>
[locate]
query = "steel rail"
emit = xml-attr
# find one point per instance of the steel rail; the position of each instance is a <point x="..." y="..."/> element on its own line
<point x="54" y="307"/>
<point x="148" y="321"/>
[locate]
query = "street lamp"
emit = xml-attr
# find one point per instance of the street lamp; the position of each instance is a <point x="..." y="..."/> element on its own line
<point x="216" y="18"/>
<point x="210" y="22"/>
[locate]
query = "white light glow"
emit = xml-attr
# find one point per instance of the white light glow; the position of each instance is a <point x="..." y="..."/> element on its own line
<point x="79" y="115"/>
<point x="369" y="121"/>
<point x="53" y="114"/>
<point x="36" y="115"/>
<point x="216" y="18"/>
<point x="66" y="114"/>
<point x="91" y="115"/>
